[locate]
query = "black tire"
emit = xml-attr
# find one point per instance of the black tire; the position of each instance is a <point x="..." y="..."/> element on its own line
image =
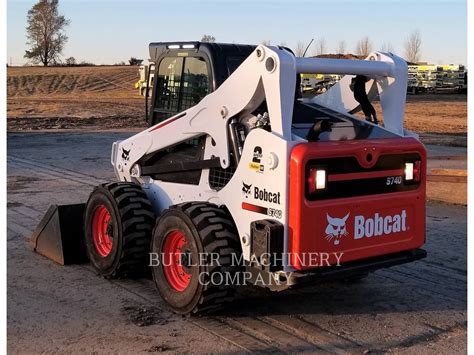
<point x="131" y="223"/>
<point x="206" y="229"/>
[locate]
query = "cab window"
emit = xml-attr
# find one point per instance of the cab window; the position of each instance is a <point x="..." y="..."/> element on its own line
<point x="195" y="82"/>
<point x="167" y="83"/>
<point x="181" y="82"/>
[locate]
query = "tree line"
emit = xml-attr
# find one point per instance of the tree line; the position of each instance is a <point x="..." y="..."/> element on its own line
<point x="362" y="48"/>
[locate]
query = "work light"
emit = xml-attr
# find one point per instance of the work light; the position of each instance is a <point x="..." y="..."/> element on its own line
<point x="413" y="171"/>
<point x="320" y="179"/>
<point x="408" y="171"/>
<point x="316" y="179"/>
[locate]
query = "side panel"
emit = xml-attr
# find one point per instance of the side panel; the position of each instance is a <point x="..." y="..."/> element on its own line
<point x="258" y="189"/>
<point x="361" y="226"/>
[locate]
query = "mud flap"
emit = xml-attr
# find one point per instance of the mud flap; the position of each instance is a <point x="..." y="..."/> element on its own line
<point x="60" y="235"/>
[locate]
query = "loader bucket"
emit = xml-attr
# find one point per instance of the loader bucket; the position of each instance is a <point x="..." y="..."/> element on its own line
<point x="60" y="234"/>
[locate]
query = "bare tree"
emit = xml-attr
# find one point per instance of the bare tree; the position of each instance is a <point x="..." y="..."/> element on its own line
<point x="71" y="61"/>
<point x="45" y="32"/>
<point x="386" y="47"/>
<point x="208" y="38"/>
<point x="364" y="46"/>
<point x="299" y="49"/>
<point x="135" y="61"/>
<point x="87" y="64"/>
<point x="266" y="42"/>
<point x="320" y="46"/>
<point x="413" y="47"/>
<point x="341" y="47"/>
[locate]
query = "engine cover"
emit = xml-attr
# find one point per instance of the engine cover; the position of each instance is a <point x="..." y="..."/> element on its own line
<point x="366" y="209"/>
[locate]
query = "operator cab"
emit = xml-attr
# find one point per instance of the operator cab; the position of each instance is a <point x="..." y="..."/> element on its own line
<point x="185" y="72"/>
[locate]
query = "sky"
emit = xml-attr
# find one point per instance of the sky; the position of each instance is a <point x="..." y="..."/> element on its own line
<point x="112" y="31"/>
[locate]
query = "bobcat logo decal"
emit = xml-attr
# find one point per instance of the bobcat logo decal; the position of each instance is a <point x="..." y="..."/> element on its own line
<point x="246" y="189"/>
<point x="336" y="228"/>
<point x="125" y="154"/>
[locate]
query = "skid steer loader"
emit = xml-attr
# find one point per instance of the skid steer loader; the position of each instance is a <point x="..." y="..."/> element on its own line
<point x="240" y="178"/>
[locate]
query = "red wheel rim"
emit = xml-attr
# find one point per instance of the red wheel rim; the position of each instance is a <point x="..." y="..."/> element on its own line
<point x="102" y="231"/>
<point x="174" y="249"/>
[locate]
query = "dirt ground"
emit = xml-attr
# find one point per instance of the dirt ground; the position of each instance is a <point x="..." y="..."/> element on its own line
<point x="104" y="97"/>
<point x="73" y="97"/>
<point x="416" y="308"/>
<point x="437" y="118"/>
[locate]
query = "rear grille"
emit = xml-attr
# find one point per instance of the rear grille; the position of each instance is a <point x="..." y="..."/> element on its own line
<point x="347" y="178"/>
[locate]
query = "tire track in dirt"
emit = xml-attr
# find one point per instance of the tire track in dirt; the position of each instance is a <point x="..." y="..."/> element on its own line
<point x="56" y="83"/>
<point x="69" y="80"/>
<point x="53" y="171"/>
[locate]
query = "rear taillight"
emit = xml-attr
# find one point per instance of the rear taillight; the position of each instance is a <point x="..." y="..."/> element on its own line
<point x="413" y="171"/>
<point x="317" y="179"/>
<point x="417" y="171"/>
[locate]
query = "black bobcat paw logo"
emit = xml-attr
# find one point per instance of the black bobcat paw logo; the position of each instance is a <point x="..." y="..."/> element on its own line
<point x="246" y="189"/>
<point x="125" y="154"/>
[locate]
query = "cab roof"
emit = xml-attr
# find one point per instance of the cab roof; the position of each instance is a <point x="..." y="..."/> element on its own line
<point x="213" y="49"/>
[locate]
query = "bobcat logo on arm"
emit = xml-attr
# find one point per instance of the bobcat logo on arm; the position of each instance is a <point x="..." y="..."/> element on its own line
<point x="336" y="228"/>
<point x="246" y="189"/>
<point x="125" y="154"/>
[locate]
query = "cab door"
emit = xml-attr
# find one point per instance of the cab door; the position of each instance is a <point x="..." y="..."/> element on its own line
<point x="180" y="82"/>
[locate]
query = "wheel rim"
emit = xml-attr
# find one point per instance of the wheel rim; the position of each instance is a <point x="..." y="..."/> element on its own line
<point x="102" y="233"/>
<point x="175" y="254"/>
